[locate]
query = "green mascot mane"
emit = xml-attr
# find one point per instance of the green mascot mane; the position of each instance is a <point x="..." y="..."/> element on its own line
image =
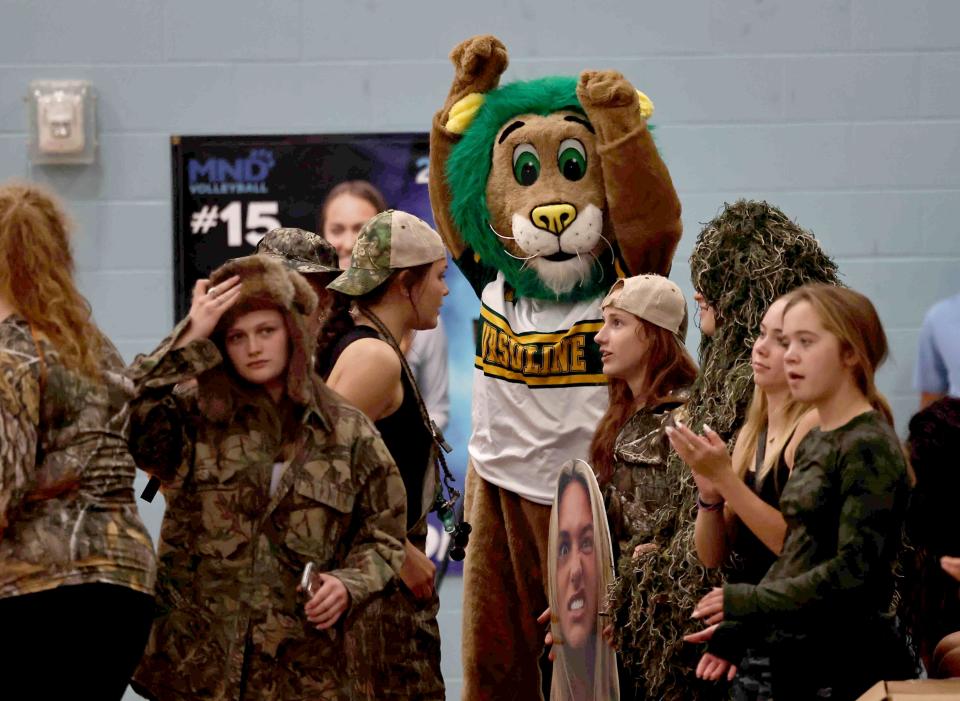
<point x="468" y="168"/>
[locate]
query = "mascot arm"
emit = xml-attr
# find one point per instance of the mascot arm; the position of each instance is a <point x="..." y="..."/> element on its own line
<point x="478" y="64"/>
<point x="642" y="204"/>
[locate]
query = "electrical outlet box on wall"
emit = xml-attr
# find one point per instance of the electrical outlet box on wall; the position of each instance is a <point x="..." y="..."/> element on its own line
<point x="62" y="122"/>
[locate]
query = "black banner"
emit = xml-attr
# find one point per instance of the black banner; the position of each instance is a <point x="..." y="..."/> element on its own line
<point x="228" y="191"/>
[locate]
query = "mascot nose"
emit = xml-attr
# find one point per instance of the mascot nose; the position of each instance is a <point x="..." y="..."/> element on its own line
<point x="553" y="217"/>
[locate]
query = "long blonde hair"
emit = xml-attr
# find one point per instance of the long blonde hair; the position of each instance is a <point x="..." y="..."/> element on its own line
<point x="754" y="426"/>
<point x="852" y="318"/>
<point x="36" y="275"/>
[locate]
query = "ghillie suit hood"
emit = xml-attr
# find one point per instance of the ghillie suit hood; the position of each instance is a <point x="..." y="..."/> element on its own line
<point x="744" y="259"/>
<point x="266" y="284"/>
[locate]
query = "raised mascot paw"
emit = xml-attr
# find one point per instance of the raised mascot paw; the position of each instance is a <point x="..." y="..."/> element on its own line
<point x="479" y="62"/>
<point x="606" y="89"/>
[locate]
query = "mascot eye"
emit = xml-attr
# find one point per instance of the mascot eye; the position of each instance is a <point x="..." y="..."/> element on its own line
<point x="526" y="164"/>
<point x="572" y="159"/>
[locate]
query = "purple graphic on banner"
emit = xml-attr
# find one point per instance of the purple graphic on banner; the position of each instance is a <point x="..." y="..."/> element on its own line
<point x="228" y="191"/>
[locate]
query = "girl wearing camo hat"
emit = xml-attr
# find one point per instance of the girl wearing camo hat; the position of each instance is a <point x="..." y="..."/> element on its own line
<point x="396" y="279"/>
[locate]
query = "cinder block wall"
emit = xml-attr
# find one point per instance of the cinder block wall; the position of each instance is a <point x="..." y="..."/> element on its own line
<point x="845" y="113"/>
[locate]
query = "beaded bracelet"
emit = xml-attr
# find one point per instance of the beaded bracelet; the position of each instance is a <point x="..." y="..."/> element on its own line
<point x="716" y="506"/>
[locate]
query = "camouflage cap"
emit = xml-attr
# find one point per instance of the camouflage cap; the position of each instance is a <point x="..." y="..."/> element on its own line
<point x="390" y="241"/>
<point x="304" y="251"/>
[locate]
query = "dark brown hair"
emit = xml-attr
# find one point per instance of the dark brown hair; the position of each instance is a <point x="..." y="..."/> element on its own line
<point x="929" y="603"/>
<point x="358" y="188"/>
<point x="669" y="367"/>
<point x="339" y="319"/>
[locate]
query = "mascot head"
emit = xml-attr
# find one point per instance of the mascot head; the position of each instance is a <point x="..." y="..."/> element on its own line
<point x="527" y="188"/>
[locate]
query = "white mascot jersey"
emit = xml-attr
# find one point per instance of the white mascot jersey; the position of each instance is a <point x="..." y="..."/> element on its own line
<point x="538" y="391"/>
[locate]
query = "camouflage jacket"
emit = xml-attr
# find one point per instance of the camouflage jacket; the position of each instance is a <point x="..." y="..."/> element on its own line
<point x="844" y="505"/>
<point x="639" y="485"/>
<point x="231" y="623"/>
<point x="67" y="510"/>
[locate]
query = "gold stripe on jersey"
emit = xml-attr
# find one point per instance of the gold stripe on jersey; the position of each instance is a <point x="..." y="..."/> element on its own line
<point x="558" y="359"/>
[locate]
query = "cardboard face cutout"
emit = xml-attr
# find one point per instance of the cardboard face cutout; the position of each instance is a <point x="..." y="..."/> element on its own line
<point x="580" y="570"/>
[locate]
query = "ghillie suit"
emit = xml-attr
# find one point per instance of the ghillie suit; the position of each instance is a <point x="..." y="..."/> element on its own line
<point x="544" y="192"/>
<point x="743" y="260"/>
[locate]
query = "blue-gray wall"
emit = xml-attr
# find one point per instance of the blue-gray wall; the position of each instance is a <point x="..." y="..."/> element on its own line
<point x="845" y="113"/>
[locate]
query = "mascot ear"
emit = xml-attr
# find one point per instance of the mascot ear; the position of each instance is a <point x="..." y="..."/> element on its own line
<point x="463" y="112"/>
<point x="646" y="105"/>
<point x="466" y="108"/>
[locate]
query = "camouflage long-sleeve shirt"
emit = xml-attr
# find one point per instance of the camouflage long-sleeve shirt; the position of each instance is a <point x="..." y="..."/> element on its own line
<point x="844" y="506"/>
<point x="232" y="624"/>
<point x="640" y="485"/>
<point x="67" y="509"/>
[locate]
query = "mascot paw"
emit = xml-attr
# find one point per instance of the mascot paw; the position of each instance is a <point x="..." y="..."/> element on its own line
<point x="479" y="62"/>
<point x="606" y="89"/>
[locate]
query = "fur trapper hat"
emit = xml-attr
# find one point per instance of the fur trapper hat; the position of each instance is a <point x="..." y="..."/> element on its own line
<point x="266" y="284"/>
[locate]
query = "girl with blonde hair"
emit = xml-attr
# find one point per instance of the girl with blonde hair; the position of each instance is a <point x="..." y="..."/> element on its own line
<point x="822" y="611"/>
<point x="745" y="258"/>
<point x="740" y="495"/>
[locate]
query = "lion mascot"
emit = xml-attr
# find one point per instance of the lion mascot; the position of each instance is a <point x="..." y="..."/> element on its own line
<point x="545" y="192"/>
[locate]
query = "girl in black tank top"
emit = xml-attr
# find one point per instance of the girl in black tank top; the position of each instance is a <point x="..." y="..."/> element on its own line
<point x="396" y="284"/>
<point x="751" y="557"/>
<point x="403" y="431"/>
<point x="739" y="525"/>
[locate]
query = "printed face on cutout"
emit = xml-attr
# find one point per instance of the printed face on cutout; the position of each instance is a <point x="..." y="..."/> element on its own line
<point x="258" y="347"/>
<point x="813" y="361"/>
<point x="577" y="572"/>
<point x="343" y="218"/>
<point x="427" y="295"/>
<point x="769" y="348"/>
<point x="623" y="344"/>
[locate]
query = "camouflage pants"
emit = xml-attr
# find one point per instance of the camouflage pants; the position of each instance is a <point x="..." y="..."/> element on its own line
<point x="393" y="647"/>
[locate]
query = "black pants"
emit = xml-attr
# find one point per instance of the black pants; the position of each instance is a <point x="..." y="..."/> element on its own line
<point x="839" y="664"/>
<point x="73" y="642"/>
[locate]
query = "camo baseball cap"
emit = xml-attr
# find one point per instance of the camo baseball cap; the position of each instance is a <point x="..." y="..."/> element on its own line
<point x="304" y="251"/>
<point x="390" y="241"/>
<point x="652" y="298"/>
